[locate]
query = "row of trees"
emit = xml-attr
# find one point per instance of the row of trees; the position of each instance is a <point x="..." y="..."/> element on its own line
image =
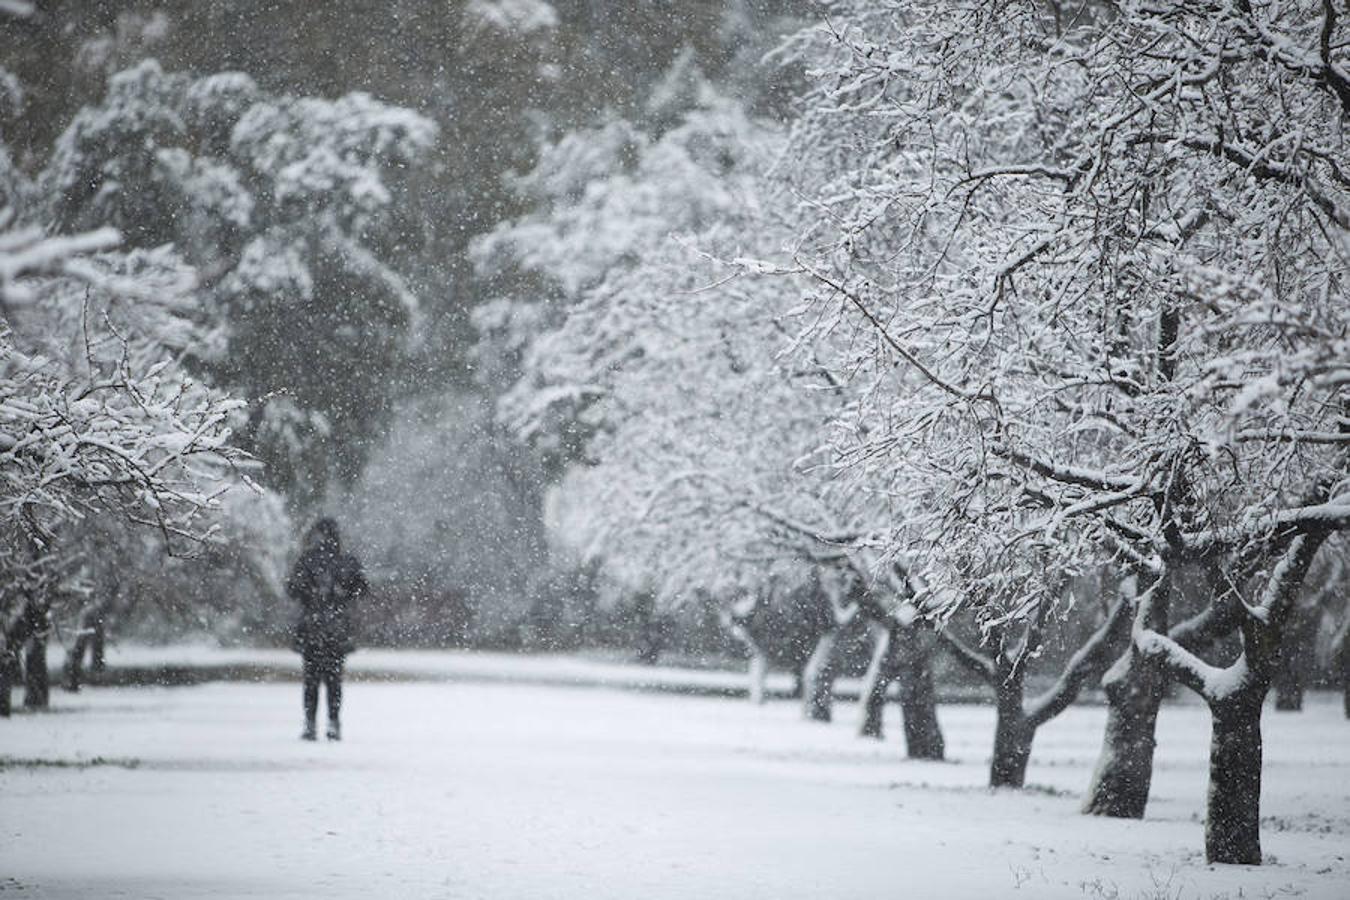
<point x="1018" y="299"/>
<point x="1024" y="294"/>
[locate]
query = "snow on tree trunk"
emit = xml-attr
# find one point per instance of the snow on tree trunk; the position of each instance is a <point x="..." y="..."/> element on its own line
<point x="759" y="674"/>
<point x="1134" y="689"/>
<point x="1124" y="773"/>
<point x="759" y="661"/>
<point x="1236" y="695"/>
<point x="817" y="680"/>
<point x="1233" y="820"/>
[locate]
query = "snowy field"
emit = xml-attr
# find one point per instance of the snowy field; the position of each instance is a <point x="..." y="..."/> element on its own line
<point x="468" y="790"/>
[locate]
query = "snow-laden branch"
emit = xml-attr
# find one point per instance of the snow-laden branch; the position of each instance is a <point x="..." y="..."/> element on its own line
<point x="1088" y="662"/>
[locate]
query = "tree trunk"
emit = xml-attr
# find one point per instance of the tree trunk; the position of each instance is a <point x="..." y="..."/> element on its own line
<point x="880" y="672"/>
<point x="1291" y="674"/>
<point x="918" y="695"/>
<point x="98" y="658"/>
<point x="759" y="662"/>
<point x="1124" y="773"/>
<point x="1233" y="820"/>
<point x="1345" y="672"/>
<point x="818" y="680"/>
<point x="37" y="688"/>
<point x="1012" y="739"/>
<point x="798" y="689"/>
<point x="74" y="667"/>
<point x="759" y="675"/>
<point x="7" y="662"/>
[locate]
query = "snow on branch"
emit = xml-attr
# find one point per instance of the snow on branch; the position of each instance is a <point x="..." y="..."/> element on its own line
<point x="103" y="423"/>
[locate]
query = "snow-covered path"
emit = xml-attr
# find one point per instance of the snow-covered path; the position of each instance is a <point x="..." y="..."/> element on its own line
<point x="451" y="790"/>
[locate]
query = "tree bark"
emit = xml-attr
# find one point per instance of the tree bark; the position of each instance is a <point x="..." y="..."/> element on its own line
<point x="1124" y="773"/>
<point x="918" y="695"/>
<point x="1233" y="821"/>
<point x="88" y="640"/>
<point x="1233" y="817"/>
<point x="1291" y="675"/>
<point x="880" y="673"/>
<point x="36" y="683"/>
<point x="74" y="667"/>
<point x="7" y="663"/>
<point x="1134" y="688"/>
<point x="98" y="647"/>
<point x="818" y="680"/>
<point x="1013" y="735"/>
<point x="1345" y="671"/>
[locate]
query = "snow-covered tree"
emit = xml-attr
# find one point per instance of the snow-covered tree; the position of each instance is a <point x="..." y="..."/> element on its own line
<point x="98" y="422"/>
<point x="1095" y="256"/>
<point x="643" y="358"/>
<point x="292" y="211"/>
<point x="610" y="305"/>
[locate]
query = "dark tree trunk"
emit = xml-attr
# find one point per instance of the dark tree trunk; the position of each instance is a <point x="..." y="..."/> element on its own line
<point x="1345" y="672"/>
<point x="1233" y="818"/>
<point x="1291" y="675"/>
<point x="1233" y="821"/>
<point x="74" y="667"/>
<point x="880" y="673"/>
<point x="89" y="633"/>
<point x="1134" y="688"/>
<point x="818" y="680"/>
<point x="1124" y="773"/>
<point x="98" y="647"/>
<point x="37" y="687"/>
<point x="1012" y="739"/>
<point x="7" y="664"/>
<point x="918" y="695"/>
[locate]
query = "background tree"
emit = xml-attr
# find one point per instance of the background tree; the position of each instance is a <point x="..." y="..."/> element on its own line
<point x="291" y="209"/>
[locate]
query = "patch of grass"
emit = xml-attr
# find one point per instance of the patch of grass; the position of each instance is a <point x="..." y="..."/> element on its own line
<point x="1048" y="790"/>
<point x="14" y="762"/>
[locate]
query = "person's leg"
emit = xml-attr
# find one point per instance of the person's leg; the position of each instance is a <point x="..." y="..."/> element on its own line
<point x="334" y="691"/>
<point x="311" y="678"/>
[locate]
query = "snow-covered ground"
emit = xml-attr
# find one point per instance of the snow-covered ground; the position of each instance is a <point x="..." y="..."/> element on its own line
<point x="464" y="789"/>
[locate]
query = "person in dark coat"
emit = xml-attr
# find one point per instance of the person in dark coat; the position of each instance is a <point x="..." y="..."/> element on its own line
<point x="326" y="583"/>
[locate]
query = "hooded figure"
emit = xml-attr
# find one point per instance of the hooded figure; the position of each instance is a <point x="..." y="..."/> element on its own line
<point x="326" y="583"/>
